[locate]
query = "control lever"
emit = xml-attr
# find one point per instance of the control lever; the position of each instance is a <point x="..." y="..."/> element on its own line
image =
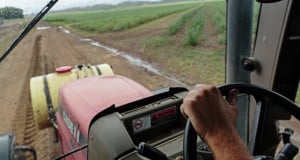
<point x="150" y="152"/>
<point x="286" y="135"/>
<point x="289" y="151"/>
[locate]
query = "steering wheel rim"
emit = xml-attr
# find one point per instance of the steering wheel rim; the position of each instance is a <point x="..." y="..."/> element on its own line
<point x="261" y="95"/>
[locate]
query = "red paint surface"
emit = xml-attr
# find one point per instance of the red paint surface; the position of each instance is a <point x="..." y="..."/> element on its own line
<point x="83" y="99"/>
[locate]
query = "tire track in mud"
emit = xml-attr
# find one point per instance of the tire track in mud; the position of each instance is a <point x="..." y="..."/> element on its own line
<point x="42" y="62"/>
<point x="63" y="51"/>
<point x="24" y="126"/>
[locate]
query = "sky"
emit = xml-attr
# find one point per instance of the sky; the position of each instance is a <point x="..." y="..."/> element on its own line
<point x="34" y="6"/>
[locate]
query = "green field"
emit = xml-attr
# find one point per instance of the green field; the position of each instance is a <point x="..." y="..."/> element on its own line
<point x="116" y="19"/>
<point x="190" y="59"/>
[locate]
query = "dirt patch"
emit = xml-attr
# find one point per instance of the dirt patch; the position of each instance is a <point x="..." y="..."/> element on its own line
<point x="210" y="34"/>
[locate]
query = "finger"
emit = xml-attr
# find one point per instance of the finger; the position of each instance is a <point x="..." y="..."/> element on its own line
<point x="232" y="97"/>
<point x="182" y="112"/>
<point x="199" y="85"/>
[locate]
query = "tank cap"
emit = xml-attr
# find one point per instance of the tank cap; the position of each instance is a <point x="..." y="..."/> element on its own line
<point x="63" y="69"/>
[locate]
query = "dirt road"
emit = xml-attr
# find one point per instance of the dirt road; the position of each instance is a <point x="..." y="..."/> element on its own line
<point x="40" y="53"/>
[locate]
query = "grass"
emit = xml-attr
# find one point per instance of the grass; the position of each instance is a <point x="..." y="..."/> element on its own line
<point x="194" y="31"/>
<point x="219" y="19"/>
<point x="194" y="20"/>
<point x="117" y="19"/>
<point x="219" y="16"/>
<point x="175" y="27"/>
<point x="190" y="65"/>
<point x="197" y="19"/>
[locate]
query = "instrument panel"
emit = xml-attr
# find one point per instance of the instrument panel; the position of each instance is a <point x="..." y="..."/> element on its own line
<point x="154" y="121"/>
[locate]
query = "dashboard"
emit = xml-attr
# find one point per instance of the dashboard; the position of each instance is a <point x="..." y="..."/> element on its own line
<point x="155" y="120"/>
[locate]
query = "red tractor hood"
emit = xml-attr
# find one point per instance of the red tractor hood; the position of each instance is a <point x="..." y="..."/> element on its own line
<point x="83" y="99"/>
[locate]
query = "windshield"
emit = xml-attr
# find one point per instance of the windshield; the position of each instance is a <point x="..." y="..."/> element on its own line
<point x="154" y="42"/>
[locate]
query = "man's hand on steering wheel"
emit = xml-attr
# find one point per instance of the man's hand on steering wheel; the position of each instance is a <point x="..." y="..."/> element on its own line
<point x="213" y="118"/>
<point x="208" y="111"/>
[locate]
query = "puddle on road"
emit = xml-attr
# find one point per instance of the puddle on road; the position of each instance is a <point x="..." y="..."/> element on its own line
<point x="135" y="61"/>
<point x="65" y="30"/>
<point x="43" y="28"/>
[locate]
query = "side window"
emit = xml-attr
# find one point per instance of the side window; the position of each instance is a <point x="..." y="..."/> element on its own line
<point x="256" y="11"/>
<point x="298" y="96"/>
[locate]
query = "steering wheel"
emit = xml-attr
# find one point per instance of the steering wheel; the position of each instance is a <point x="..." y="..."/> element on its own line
<point x="261" y="96"/>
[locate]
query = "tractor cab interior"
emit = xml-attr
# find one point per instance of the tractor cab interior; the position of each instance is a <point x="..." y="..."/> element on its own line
<point x="261" y="61"/>
<point x="153" y="128"/>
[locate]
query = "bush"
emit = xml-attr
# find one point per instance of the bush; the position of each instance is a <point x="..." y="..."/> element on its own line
<point x="11" y="13"/>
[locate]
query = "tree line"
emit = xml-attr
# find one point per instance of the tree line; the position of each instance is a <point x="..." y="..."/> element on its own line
<point x="11" y="13"/>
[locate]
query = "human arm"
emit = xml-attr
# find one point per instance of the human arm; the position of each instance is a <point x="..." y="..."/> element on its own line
<point x="213" y="119"/>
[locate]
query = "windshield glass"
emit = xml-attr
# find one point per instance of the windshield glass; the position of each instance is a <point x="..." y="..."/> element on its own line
<point x="158" y="43"/>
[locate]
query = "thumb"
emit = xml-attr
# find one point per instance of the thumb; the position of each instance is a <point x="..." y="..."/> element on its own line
<point x="232" y="97"/>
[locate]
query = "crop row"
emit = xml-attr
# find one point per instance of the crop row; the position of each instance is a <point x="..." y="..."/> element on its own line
<point x="195" y="29"/>
<point x="193" y="22"/>
<point x="218" y="12"/>
<point x="175" y="27"/>
<point x="115" y="20"/>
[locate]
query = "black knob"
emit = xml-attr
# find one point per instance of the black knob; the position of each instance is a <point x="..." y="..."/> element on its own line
<point x="249" y="64"/>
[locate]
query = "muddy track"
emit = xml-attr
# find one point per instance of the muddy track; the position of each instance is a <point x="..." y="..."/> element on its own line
<point x="24" y="125"/>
